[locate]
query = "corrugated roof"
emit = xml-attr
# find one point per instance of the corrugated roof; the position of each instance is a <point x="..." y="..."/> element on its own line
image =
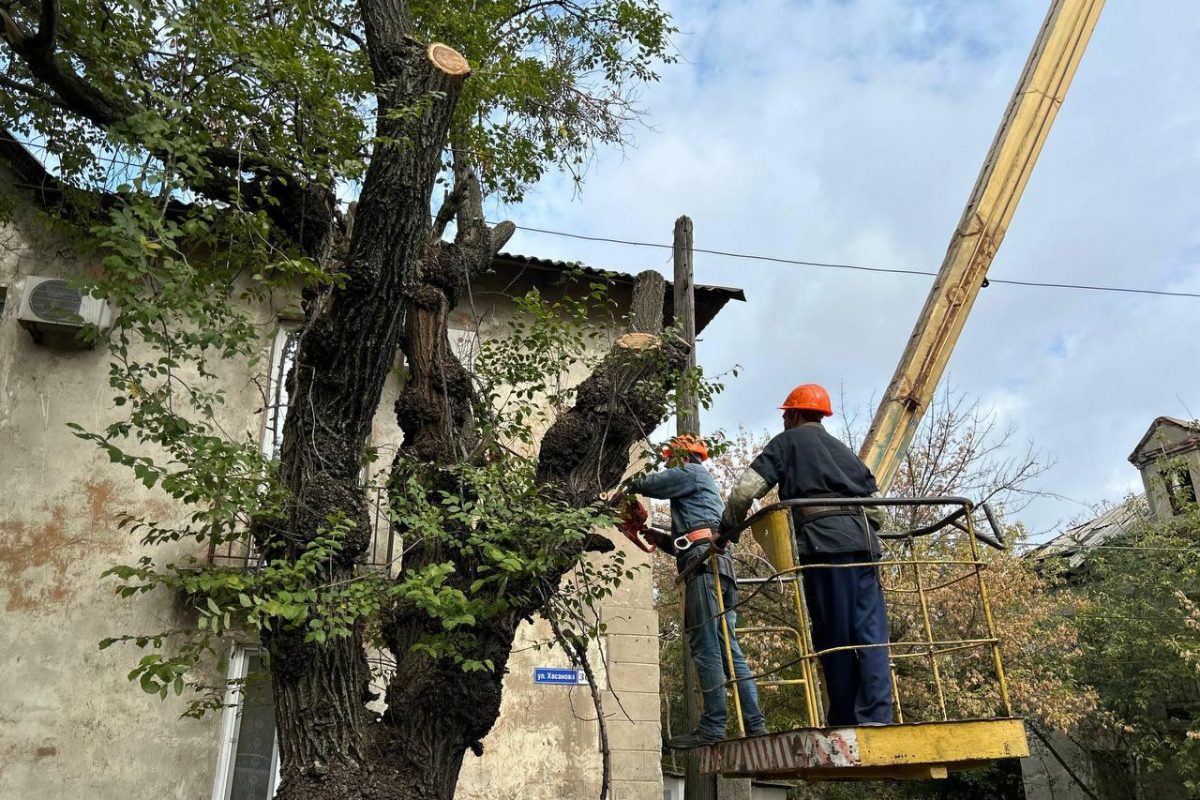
<point x="709" y="299"/>
<point x="1075" y="543"/>
<point x="727" y="292"/>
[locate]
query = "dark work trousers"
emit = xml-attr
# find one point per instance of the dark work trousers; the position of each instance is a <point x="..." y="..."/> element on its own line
<point x="846" y="606"/>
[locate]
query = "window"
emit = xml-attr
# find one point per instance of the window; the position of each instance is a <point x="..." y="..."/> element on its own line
<point x="1180" y="489"/>
<point x="283" y="356"/>
<point x="3" y="299"/>
<point x="248" y="765"/>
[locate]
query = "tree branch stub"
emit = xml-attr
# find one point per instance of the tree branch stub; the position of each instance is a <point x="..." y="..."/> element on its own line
<point x="448" y="60"/>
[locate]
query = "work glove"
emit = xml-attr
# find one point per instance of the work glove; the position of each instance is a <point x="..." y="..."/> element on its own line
<point x="655" y="537"/>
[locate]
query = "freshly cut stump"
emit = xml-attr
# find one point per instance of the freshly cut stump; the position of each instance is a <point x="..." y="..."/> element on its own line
<point x="638" y="341"/>
<point x="448" y="60"/>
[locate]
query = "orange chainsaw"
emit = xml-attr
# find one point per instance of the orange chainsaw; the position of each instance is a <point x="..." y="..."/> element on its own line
<point x="633" y="524"/>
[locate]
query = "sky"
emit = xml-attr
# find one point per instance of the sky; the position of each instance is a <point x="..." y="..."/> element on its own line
<point x="853" y="131"/>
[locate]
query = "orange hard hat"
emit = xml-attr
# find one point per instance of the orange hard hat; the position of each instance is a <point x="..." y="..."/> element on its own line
<point x="686" y="444"/>
<point x="808" y="397"/>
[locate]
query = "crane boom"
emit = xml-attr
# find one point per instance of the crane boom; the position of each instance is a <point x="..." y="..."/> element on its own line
<point x="1006" y="169"/>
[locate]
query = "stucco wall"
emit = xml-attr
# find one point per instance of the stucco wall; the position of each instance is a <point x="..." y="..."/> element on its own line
<point x="72" y="726"/>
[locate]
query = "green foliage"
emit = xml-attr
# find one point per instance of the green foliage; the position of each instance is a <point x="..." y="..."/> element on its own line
<point x="523" y="376"/>
<point x="289" y="84"/>
<point x="212" y="108"/>
<point x="282" y="595"/>
<point x="1140" y="637"/>
<point x="549" y="85"/>
<point x="496" y="524"/>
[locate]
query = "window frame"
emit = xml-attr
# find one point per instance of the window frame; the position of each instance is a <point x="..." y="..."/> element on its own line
<point x="239" y="663"/>
<point x="278" y="395"/>
<point x="1186" y="483"/>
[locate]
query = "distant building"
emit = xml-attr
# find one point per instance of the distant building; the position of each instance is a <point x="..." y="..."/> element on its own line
<point x="1168" y="457"/>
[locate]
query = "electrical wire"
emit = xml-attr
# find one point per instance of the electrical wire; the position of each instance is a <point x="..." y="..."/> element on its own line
<point x="859" y="267"/>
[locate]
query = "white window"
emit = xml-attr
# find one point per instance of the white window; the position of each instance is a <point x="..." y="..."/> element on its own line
<point x="248" y="765"/>
<point x="283" y="356"/>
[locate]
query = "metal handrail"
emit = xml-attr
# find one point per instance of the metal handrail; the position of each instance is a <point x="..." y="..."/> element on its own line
<point x="960" y="519"/>
<point x="966" y="506"/>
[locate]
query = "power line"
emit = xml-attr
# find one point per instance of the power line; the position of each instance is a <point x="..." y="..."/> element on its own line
<point x="858" y="267"/>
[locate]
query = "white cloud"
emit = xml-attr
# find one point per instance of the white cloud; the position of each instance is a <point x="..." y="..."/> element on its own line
<point x="853" y="131"/>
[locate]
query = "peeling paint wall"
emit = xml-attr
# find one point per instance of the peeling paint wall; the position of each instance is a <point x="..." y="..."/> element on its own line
<point x="72" y="726"/>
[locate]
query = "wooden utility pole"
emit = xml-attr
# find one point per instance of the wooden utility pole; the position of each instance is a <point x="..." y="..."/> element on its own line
<point x="1006" y="169"/>
<point x="696" y="785"/>
<point x="687" y="416"/>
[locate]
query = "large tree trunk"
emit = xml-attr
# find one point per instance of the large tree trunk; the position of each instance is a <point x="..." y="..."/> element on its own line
<point x="401" y="282"/>
<point x="342" y="360"/>
<point x="436" y="711"/>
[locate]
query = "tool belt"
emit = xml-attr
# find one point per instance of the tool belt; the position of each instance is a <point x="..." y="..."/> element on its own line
<point x="688" y="539"/>
<point x="810" y="513"/>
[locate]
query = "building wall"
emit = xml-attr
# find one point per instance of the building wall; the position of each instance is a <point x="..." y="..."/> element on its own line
<point x="71" y="725"/>
<point x="1166" y="439"/>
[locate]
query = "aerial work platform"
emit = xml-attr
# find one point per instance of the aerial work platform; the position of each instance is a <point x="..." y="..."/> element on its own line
<point x="916" y="750"/>
<point x="932" y="577"/>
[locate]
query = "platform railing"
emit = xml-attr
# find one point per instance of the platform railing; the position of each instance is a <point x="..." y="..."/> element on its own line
<point x="912" y="572"/>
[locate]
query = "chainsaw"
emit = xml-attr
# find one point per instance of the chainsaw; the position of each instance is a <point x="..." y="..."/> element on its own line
<point x="633" y="524"/>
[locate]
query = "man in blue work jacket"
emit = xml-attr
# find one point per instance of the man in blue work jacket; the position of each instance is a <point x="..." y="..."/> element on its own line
<point x="845" y="603"/>
<point x="696" y="510"/>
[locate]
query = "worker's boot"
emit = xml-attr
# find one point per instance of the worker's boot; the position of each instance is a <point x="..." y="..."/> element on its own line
<point x="687" y="741"/>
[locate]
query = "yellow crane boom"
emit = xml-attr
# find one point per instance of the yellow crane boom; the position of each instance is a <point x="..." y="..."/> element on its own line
<point x="1031" y="111"/>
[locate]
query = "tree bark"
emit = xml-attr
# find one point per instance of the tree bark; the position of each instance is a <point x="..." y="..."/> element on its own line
<point x="586" y="451"/>
<point x="342" y="360"/>
<point x="436" y="711"/>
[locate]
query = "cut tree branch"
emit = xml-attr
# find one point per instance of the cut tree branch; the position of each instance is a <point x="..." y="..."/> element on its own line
<point x="586" y="451"/>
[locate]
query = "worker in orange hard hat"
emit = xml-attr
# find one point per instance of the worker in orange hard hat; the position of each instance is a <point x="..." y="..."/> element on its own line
<point x="685" y="445"/>
<point x="696" y="510"/>
<point x="809" y="397"/>
<point x="845" y="600"/>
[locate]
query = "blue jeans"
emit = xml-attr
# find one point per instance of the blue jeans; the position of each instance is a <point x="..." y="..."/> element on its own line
<point x="706" y="640"/>
<point x="847" y="608"/>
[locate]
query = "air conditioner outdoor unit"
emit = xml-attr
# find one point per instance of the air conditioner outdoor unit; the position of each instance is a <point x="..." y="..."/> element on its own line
<point x="55" y="312"/>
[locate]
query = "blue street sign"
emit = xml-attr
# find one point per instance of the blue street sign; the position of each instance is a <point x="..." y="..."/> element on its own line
<point x="559" y="676"/>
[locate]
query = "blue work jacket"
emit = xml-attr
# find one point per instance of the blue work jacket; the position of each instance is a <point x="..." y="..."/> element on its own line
<point x="695" y="503"/>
